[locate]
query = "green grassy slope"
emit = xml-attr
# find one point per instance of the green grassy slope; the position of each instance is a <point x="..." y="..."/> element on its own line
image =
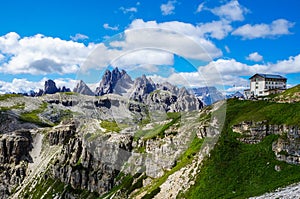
<point x="33" y="116"/>
<point x="238" y="170"/>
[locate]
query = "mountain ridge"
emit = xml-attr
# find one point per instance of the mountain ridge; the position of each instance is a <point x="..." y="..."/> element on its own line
<point x="144" y="90"/>
<point x="80" y="146"/>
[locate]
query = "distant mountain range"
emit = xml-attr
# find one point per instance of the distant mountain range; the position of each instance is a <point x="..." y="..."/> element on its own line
<point x="49" y="88"/>
<point x="163" y="96"/>
<point x="143" y="89"/>
<point x="208" y="95"/>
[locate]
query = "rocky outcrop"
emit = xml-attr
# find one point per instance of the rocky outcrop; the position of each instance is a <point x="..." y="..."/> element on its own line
<point x="82" y="88"/>
<point x="93" y="164"/>
<point x="61" y="133"/>
<point x="286" y="148"/>
<point x="166" y="101"/>
<point x="14" y="156"/>
<point x="50" y="87"/>
<point x="187" y="102"/>
<point x="15" y="147"/>
<point x="10" y="122"/>
<point x="289" y="192"/>
<point x="64" y="89"/>
<point x="114" y="81"/>
<point x="141" y="87"/>
<point x="39" y="93"/>
<point x="166" y="86"/>
<point x="253" y="132"/>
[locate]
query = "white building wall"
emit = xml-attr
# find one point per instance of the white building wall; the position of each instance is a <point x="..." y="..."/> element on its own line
<point x="257" y="87"/>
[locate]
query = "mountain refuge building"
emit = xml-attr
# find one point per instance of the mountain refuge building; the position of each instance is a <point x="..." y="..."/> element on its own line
<point x="265" y="84"/>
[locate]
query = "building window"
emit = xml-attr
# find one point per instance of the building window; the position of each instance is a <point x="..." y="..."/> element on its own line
<point x="260" y="92"/>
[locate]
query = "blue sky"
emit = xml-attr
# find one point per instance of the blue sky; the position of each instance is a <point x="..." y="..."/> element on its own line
<point x="191" y="43"/>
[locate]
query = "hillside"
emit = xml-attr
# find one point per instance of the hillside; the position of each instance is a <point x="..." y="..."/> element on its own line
<point x="290" y="95"/>
<point x="69" y="145"/>
<point x="243" y="163"/>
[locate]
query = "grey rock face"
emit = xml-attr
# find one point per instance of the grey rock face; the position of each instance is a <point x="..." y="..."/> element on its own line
<point x="64" y="89"/>
<point x="208" y="95"/>
<point x="14" y="152"/>
<point x="114" y="81"/>
<point x="82" y="88"/>
<point x="253" y="132"/>
<point x="163" y="97"/>
<point x="15" y="147"/>
<point x="166" y="86"/>
<point x="50" y="87"/>
<point x="286" y="148"/>
<point x="141" y="87"/>
<point x="172" y="99"/>
<point x="39" y="93"/>
<point x="61" y="134"/>
<point x="94" y="164"/>
<point x="10" y="122"/>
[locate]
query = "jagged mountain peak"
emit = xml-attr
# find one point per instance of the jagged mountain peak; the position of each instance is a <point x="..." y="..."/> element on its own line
<point x="144" y="90"/>
<point x="50" y="87"/>
<point x="183" y="91"/>
<point x="208" y="94"/>
<point x="82" y="88"/>
<point x="114" y="81"/>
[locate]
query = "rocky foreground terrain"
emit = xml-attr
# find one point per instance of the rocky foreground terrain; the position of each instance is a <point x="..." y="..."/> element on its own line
<point x="137" y="139"/>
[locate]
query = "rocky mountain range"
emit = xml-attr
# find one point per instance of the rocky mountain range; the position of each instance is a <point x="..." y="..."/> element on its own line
<point x="143" y="140"/>
<point x="208" y="95"/>
<point x="120" y="83"/>
<point x="163" y="96"/>
<point x="237" y="94"/>
<point x="49" y="88"/>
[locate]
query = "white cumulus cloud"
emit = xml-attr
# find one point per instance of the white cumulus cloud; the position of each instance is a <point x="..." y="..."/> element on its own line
<point x="39" y="54"/>
<point x="144" y="57"/>
<point x="1" y="57"/>
<point x="200" y="7"/>
<point x="227" y="49"/>
<point x="276" y="28"/>
<point x="231" y="11"/>
<point x="168" y="8"/>
<point x="142" y="42"/>
<point x="234" y="69"/>
<point x="254" y="57"/>
<point x="180" y="38"/>
<point x="79" y="37"/>
<point x="228" y="73"/>
<point x="128" y="10"/>
<point x="215" y="29"/>
<point x="108" y="27"/>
